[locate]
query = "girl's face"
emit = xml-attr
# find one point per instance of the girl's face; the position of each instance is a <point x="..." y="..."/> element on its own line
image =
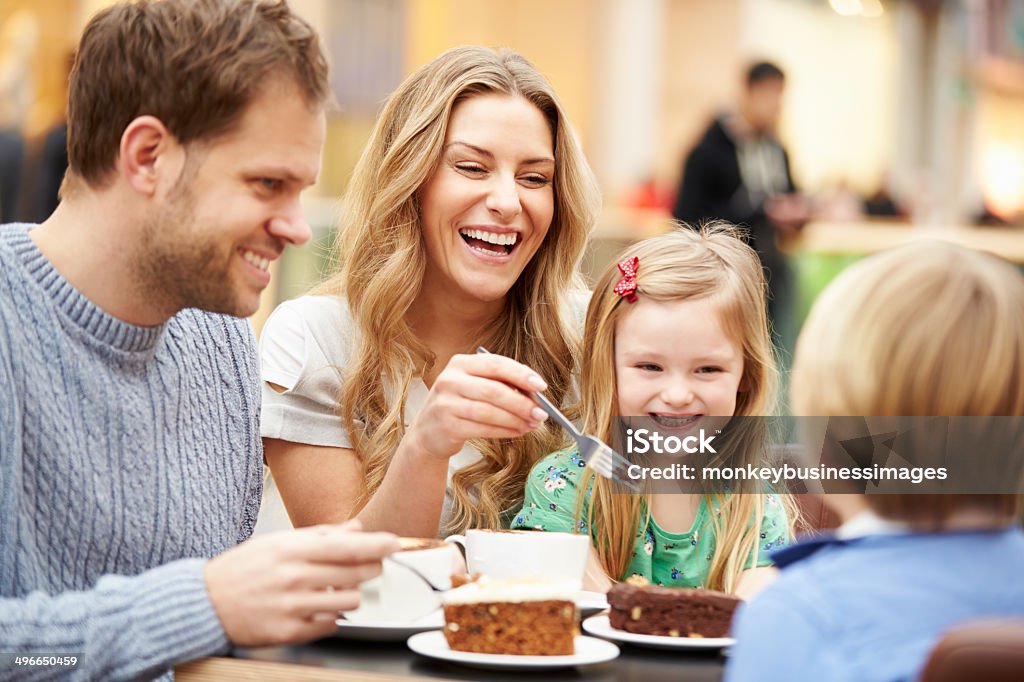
<point x="674" y="363"/>
<point x="488" y="205"/>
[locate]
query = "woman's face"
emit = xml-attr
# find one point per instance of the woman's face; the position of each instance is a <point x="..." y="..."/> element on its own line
<point x="488" y="204"/>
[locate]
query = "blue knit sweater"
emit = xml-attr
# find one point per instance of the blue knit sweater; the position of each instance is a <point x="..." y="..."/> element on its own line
<point x="128" y="456"/>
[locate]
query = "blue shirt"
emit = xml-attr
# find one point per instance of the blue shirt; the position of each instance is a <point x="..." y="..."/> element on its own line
<point x="872" y="608"/>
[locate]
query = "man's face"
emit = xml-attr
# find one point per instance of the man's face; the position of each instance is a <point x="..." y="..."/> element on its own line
<point x="763" y="105"/>
<point x="234" y="209"/>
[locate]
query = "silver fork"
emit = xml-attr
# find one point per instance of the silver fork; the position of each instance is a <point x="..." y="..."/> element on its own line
<point x="417" y="573"/>
<point x="595" y="453"/>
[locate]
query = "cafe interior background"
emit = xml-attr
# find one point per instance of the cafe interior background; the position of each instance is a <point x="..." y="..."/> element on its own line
<point x="920" y="100"/>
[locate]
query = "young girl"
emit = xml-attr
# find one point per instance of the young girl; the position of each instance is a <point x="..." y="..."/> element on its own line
<point x="676" y="330"/>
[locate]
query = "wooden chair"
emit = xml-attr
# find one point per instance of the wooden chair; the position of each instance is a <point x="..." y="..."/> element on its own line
<point x="990" y="650"/>
<point x="815" y="516"/>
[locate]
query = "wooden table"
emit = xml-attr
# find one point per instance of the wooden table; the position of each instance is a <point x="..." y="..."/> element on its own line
<point x="869" y="236"/>
<point x="338" y="660"/>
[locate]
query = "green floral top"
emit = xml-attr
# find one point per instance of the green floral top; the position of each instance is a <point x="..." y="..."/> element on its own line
<point x="672" y="559"/>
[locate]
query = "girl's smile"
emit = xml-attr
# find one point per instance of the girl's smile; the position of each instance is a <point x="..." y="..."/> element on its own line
<point x="674" y="362"/>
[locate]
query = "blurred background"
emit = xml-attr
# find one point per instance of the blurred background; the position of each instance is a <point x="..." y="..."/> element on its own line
<point x="902" y="118"/>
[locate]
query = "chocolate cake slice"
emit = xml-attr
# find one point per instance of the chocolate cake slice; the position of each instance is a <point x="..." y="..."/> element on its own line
<point x="671" y="611"/>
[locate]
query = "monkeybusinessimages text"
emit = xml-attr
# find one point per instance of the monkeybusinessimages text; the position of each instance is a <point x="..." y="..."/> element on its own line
<point x="646" y="442"/>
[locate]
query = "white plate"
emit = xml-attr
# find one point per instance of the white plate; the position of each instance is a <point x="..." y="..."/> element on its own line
<point x="590" y="602"/>
<point x="389" y="632"/>
<point x="588" y="651"/>
<point x="600" y="626"/>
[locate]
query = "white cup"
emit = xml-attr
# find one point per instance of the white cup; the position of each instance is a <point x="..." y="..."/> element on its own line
<point x="398" y="595"/>
<point x="525" y="554"/>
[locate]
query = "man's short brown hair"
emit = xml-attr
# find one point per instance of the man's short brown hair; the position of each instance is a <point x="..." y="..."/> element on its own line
<point x="193" y="64"/>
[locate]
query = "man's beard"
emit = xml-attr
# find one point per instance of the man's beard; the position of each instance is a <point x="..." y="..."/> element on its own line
<point x="180" y="265"/>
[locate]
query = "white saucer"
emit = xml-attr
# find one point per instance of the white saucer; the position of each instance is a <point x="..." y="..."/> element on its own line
<point x="590" y="602"/>
<point x="389" y="632"/>
<point x="599" y="626"/>
<point x="588" y="651"/>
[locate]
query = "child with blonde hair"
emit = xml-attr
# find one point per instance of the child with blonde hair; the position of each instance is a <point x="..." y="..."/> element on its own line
<point x="676" y="331"/>
<point x="925" y="330"/>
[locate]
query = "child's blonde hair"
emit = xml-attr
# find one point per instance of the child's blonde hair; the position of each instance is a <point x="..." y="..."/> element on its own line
<point x="928" y="329"/>
<point x="712" y="261"/>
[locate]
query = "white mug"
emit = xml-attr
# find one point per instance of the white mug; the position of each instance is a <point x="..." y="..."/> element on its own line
<point x="525" y="554"/>
<point x="398" y="594"/>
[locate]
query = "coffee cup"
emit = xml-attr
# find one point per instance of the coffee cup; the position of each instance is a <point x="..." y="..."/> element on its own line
<point x="400" y="595"/>
<point x="525" y="554"/>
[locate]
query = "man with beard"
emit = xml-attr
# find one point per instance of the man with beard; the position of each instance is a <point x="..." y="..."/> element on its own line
<point x="129" y="394"/>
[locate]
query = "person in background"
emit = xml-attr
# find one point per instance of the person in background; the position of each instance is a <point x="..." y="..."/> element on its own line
<point x="464" y="224"/>
<point x="19" y="36"/>
<point x="882" y="204"/>
<point x="129" y="393"/>
<point x="53" y="163"/>
<point x="12" y="157"/>
<point x="922" y="330"/>
<point x="703" y="286"/>
<point x="739" y="172"/>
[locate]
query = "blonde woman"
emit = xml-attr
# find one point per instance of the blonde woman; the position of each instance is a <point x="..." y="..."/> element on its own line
<point x="676" y="332"/>
<point x="464" y="224"/>
<point x="928" y="329"/>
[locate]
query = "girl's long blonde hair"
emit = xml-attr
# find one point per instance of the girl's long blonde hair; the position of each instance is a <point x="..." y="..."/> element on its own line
<point x="380" y="260"/>
<point x="685" y="263"/>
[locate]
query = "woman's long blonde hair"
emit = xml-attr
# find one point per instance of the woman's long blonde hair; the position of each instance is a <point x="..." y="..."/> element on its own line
<point x="712" y="261"/>
<point x="380" y="260"/>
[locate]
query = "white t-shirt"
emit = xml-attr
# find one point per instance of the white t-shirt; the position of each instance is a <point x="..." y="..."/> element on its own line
<point x="305" y="347"/>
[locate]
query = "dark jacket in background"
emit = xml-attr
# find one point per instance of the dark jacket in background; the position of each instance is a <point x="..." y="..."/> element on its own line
<point x="712" y="188"/>
<point x="12" y="160"/>
<point x="52" y="165"/>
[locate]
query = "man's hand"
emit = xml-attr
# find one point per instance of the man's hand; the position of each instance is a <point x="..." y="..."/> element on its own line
<point x="789" y="212"/>
<point x="288" y="587"/>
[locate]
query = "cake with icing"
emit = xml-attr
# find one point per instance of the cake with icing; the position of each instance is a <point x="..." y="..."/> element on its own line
<point x="528" y="617"/>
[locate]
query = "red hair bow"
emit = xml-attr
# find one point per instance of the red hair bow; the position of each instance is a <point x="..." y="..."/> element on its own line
<point x="626" y="286"/>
